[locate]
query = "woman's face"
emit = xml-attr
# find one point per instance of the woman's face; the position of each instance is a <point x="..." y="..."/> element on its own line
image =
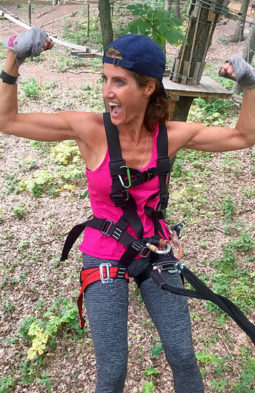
<point x="125" y="100"/>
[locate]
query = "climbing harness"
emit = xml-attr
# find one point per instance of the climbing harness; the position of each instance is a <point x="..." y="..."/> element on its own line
<point x="124" y="178"/>
<point x="156" y="249"/>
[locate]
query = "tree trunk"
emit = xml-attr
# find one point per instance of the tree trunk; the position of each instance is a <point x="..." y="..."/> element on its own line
<point x="239" y="30"/>
<point x="249" y="51"/>
<point x="182" y="108"/>
<point x="189" y="64"/>
<point x="168" y="5"/>
<point x="178" y="9"/>
<point x="104" y="9"/>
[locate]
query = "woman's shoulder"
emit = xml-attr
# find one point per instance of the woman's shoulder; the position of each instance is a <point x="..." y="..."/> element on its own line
<point x="178" y="134"/>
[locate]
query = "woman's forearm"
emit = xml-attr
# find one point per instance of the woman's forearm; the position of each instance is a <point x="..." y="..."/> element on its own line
<point x="246" y="121"/>
<point x="8" y="92"/>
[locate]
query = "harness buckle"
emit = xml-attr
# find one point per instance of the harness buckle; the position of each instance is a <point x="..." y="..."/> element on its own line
<point x="117" y="233"/>
<point x="105" y="273"/>
<point x="107" y="225"/>
<point x="121" y="272"/>
<point x="171" y="267"/>
<point x="136" y="245"/>
<point x="149" y="173"/>
<point x="145" y="252"/>
<point x="120" y="197"/>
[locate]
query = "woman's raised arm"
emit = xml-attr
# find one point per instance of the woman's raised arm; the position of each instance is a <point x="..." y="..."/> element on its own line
<point x="38" y="126"/>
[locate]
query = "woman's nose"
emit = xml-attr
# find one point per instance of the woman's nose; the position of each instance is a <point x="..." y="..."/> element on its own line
<point x="108" y="90"/>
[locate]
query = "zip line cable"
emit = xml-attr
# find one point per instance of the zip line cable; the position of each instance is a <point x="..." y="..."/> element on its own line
<point x="224" y="11"/>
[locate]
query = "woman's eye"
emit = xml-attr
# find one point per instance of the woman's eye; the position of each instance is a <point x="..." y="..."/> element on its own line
<point x="103" y="78"/>
<point x="120" y="82"/>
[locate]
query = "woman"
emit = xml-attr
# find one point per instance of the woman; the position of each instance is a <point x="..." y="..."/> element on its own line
<point x="132" y="88"/>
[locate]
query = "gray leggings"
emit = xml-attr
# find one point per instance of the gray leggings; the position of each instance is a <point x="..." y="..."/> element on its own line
<point x="107" y="310"/>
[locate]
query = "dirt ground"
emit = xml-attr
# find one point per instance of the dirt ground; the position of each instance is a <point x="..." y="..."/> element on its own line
<point x="29" y="247"/>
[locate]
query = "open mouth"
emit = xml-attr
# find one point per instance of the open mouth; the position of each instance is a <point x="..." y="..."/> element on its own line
<point x="114" y="108"/>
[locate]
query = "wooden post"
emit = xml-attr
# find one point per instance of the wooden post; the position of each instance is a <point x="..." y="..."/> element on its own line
<point x="189" y="65"/>
<point x="29" y="12"/>
<point x="88" y="17"/>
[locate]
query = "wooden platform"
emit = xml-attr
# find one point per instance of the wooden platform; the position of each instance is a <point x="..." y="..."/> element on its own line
<point x="207" y="89"/>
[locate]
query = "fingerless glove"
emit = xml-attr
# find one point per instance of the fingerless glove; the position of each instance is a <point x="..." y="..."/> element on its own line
<point x="28" y="44"/>
<point x="245" y="74"/>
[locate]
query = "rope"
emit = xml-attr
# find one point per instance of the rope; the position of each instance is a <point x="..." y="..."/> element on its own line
<point x="67" y="44"/>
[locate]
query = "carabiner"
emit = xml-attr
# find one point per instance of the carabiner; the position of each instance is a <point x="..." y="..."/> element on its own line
<point x="163" y="251"/>
<point x="128" y="177"/>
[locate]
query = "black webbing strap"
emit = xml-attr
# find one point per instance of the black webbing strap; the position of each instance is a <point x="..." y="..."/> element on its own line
<point x="112" y="136"/>
<point x="163" y="162"/>
<point x="117" y="165"/>
<point x="107" y="227"/>
<point x="203" y="292"/>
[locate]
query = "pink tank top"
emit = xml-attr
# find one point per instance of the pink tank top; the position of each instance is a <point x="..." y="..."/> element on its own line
<point x="99" y="186"/>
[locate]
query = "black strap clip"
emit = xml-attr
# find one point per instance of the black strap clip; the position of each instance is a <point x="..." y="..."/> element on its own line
<point x="106" y="228"/>
<point x="164" y="197"/>
<point x="178" y="228"/>
<point x="120" y="197"/>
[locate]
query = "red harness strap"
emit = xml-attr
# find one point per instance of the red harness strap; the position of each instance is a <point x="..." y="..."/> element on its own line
<point x="104" y="273"/>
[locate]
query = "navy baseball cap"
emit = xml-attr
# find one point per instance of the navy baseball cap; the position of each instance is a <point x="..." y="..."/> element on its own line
<point x="139" y="54"/>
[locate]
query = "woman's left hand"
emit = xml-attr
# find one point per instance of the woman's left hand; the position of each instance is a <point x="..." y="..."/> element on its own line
<point x="238" y="69"/>
<point x="227" y="71"/>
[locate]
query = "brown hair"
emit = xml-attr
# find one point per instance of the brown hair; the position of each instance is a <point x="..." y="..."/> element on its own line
<point x="158" y="109"/>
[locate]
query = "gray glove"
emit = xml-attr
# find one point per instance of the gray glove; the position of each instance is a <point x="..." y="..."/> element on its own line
<point x="28" y="44"/>
<point x="245" y="74"/>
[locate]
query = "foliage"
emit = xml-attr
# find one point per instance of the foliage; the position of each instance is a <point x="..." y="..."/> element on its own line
<point x="39" y="183"/>
<point x="219" y="385"/>
<point x="229" y="271"/>
<point x="157" y="349"/>
<point x="246" y="384"/>
<point x="5" y="384"/>
<point x="76" y="31"/>
<point x="65" y="153"/>
<point x="228" y="207"/>
<point x="150" y="371"/>
<point x="153" y="20"/>
<point x="148" y="387"/>
<point x="45" y="381"/>
<point x="2" y="52"/>
<point x="30" y="88"/>
<point x="210" y="113"/>
<point x="20" y="210"/>
<point x="8" y="308"/>
<point x="43" y="332"/>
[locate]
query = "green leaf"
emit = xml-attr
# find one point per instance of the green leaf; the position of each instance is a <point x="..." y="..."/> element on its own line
<point x="150" y="371"/>
<point x="157" y="349"/>
<point x="148" y="387"/>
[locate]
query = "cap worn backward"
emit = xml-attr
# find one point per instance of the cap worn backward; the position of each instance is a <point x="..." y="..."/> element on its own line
<point x="140" y="54"/>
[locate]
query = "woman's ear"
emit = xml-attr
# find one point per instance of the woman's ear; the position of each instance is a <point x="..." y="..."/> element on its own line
<point x="150" y="88"/>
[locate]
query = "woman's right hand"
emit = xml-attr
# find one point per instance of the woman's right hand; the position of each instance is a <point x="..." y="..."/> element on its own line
<point x="48" y="44"/>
